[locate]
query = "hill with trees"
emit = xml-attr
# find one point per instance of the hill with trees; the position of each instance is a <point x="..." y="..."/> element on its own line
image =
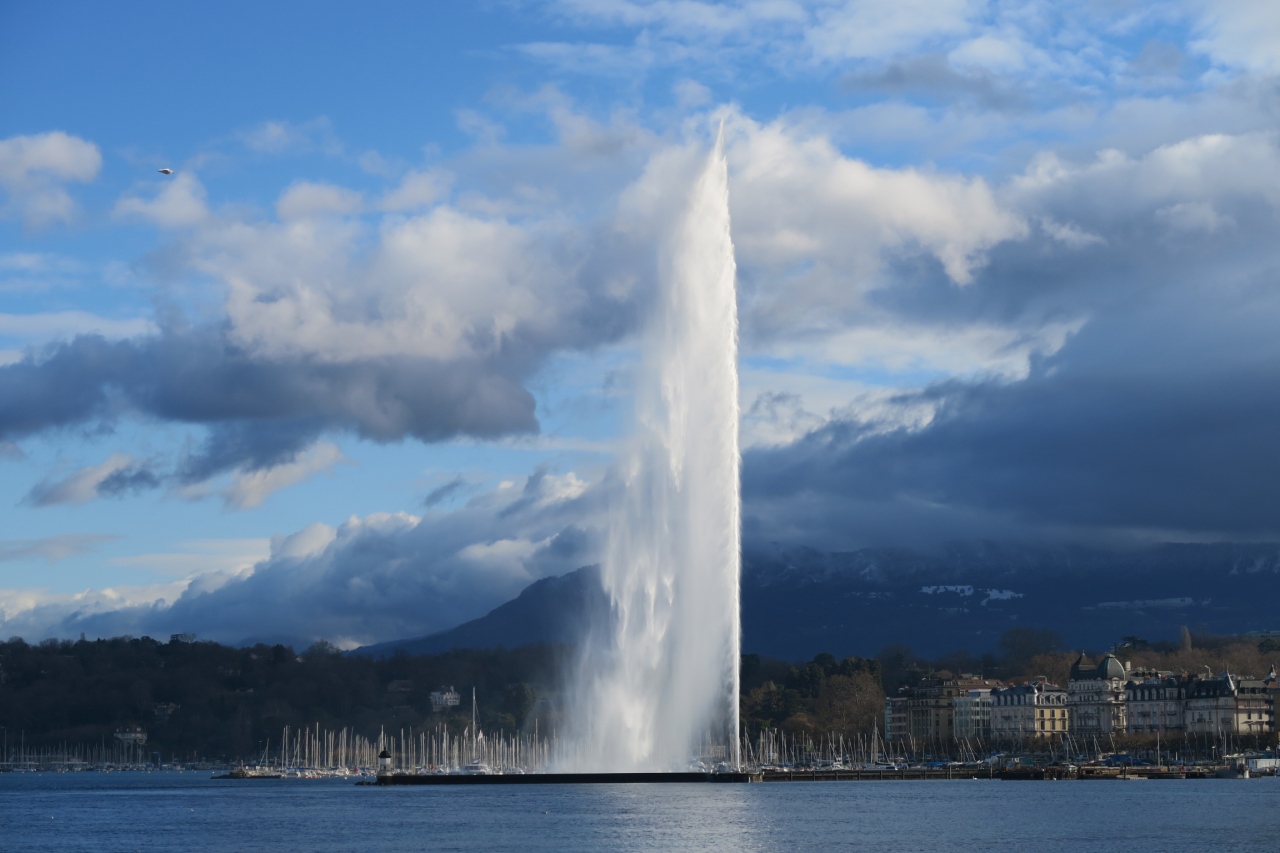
<point x="203" y="700"/>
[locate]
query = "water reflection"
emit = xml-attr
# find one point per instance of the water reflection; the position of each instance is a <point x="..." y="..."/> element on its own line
<point x="43" y="813"/>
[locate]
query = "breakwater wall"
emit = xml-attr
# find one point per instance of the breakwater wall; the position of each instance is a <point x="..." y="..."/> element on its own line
<point x="567" y="778"/>
<point x="860" y="775"/>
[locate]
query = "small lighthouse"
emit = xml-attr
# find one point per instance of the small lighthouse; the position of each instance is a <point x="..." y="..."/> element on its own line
<point x="384" y="763"/>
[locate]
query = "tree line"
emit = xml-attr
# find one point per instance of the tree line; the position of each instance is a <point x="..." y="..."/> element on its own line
<point x="209" y="701"/>
<point x="199" y="699"/>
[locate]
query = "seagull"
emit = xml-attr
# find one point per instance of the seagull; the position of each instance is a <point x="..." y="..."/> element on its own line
<point x="165" y="171"/>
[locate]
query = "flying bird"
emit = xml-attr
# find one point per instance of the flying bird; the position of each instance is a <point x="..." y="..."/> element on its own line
<point x="165" y="171"/>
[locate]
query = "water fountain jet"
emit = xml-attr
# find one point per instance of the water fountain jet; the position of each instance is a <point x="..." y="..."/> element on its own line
<point x="662" y="678"/>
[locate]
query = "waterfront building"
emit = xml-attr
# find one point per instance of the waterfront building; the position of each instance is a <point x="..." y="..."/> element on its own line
<point x="935" y="709"/>
<point x="895" y="718"/>
<point x="973" y="713"/>
<point x="1024" y="713"/>
<point x="132" y="735"/>
<point x="930" y="714"/>
<point x="441" y="699"/>
<point x="1102" y="699"/>
<point x="1228" y="705"/>
<point x="1156" y="702"/>
<point x="1096" y="696"/>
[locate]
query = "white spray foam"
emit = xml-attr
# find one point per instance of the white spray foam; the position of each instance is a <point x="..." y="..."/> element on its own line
<point x="661" y="680"/>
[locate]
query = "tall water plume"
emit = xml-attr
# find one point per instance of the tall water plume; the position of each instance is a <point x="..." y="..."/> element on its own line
<point x="661" y="680"/>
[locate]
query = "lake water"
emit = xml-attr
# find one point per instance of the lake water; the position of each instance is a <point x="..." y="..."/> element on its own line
<point x="192" y="813"/>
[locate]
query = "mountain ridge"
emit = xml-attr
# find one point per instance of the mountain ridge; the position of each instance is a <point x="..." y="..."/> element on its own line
<point x="797" y="602"/>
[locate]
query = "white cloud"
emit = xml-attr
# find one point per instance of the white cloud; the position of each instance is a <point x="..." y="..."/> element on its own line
<point x="417" y="190"/>
<point x="691" y="18"/>
<point x="857" y="29"/>
<point x="37" y="272"/>
<point x="57" y="155"/>
<point x="34" y="170"/>
<point x="1194" y="216"/>
<point x="83" y="485"/>
<point x="443" y="284"/>
<point x="1239" y="33"/>
<point x="499" y="554"/>
<point x="813" y="228"/>
<point x="795" y="194"/>
<point x="32" y="612"/>
<point x="251" y="488"/>
<point x="179" y="203"/>
<point x="826" y="31"/>
<point x="968" y="349"/>
<point x="783" y="402"/>
<point x="779" y="417"/>
<point x="304" y="199"/>
<point x="690" y="94"/>
<point x="378" y="577"/>
<point x="38" y="262"/>
<point x="482" y="129"/>
<point x="991" y="52"/>
<point x="286" y="137"/>
<point x="1068" y="234"/>
<point x="1202" y="170"/>
<point x="310" y="541"/>
<point x="555" y="489"/>
<point x="374" y="163"/>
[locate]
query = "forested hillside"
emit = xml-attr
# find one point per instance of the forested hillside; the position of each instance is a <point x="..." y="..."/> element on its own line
<point x="209" y="701"/>
<point x="213" y="701"/>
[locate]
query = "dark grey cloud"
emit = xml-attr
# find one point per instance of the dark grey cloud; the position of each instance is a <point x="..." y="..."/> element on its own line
<point x="1042" y="459"/>
<point x="265" y="390"/>
<point x="1158" y="421"/>
<point x="135" y="479"/>
<point x="933" y="78"/>
<point x="444" y="492"/>
<point x="249" y="444"/>
<point x="119" y="475"/>
<point x="1159" y="59"/>
<point x="260" y="411"/>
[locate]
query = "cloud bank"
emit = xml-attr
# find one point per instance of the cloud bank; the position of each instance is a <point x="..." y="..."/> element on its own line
<point x="369" y="579"/>
<point x="1012" y="279"/>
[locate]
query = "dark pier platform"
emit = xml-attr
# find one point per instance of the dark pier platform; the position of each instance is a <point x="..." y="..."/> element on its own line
<point x="569" y="779"/>
<point x="851" y="775"/>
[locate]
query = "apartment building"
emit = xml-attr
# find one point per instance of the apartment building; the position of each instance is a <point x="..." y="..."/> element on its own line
<point x="1228" y="705"/>
<point x="1034" y="711"/>
<point x="1096" y="696"/>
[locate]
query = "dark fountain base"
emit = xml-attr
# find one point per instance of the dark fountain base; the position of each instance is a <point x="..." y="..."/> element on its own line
<point x="568" y="779"/>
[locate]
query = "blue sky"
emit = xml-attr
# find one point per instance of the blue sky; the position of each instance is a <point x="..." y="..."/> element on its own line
<point x="1006" y="270"/>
